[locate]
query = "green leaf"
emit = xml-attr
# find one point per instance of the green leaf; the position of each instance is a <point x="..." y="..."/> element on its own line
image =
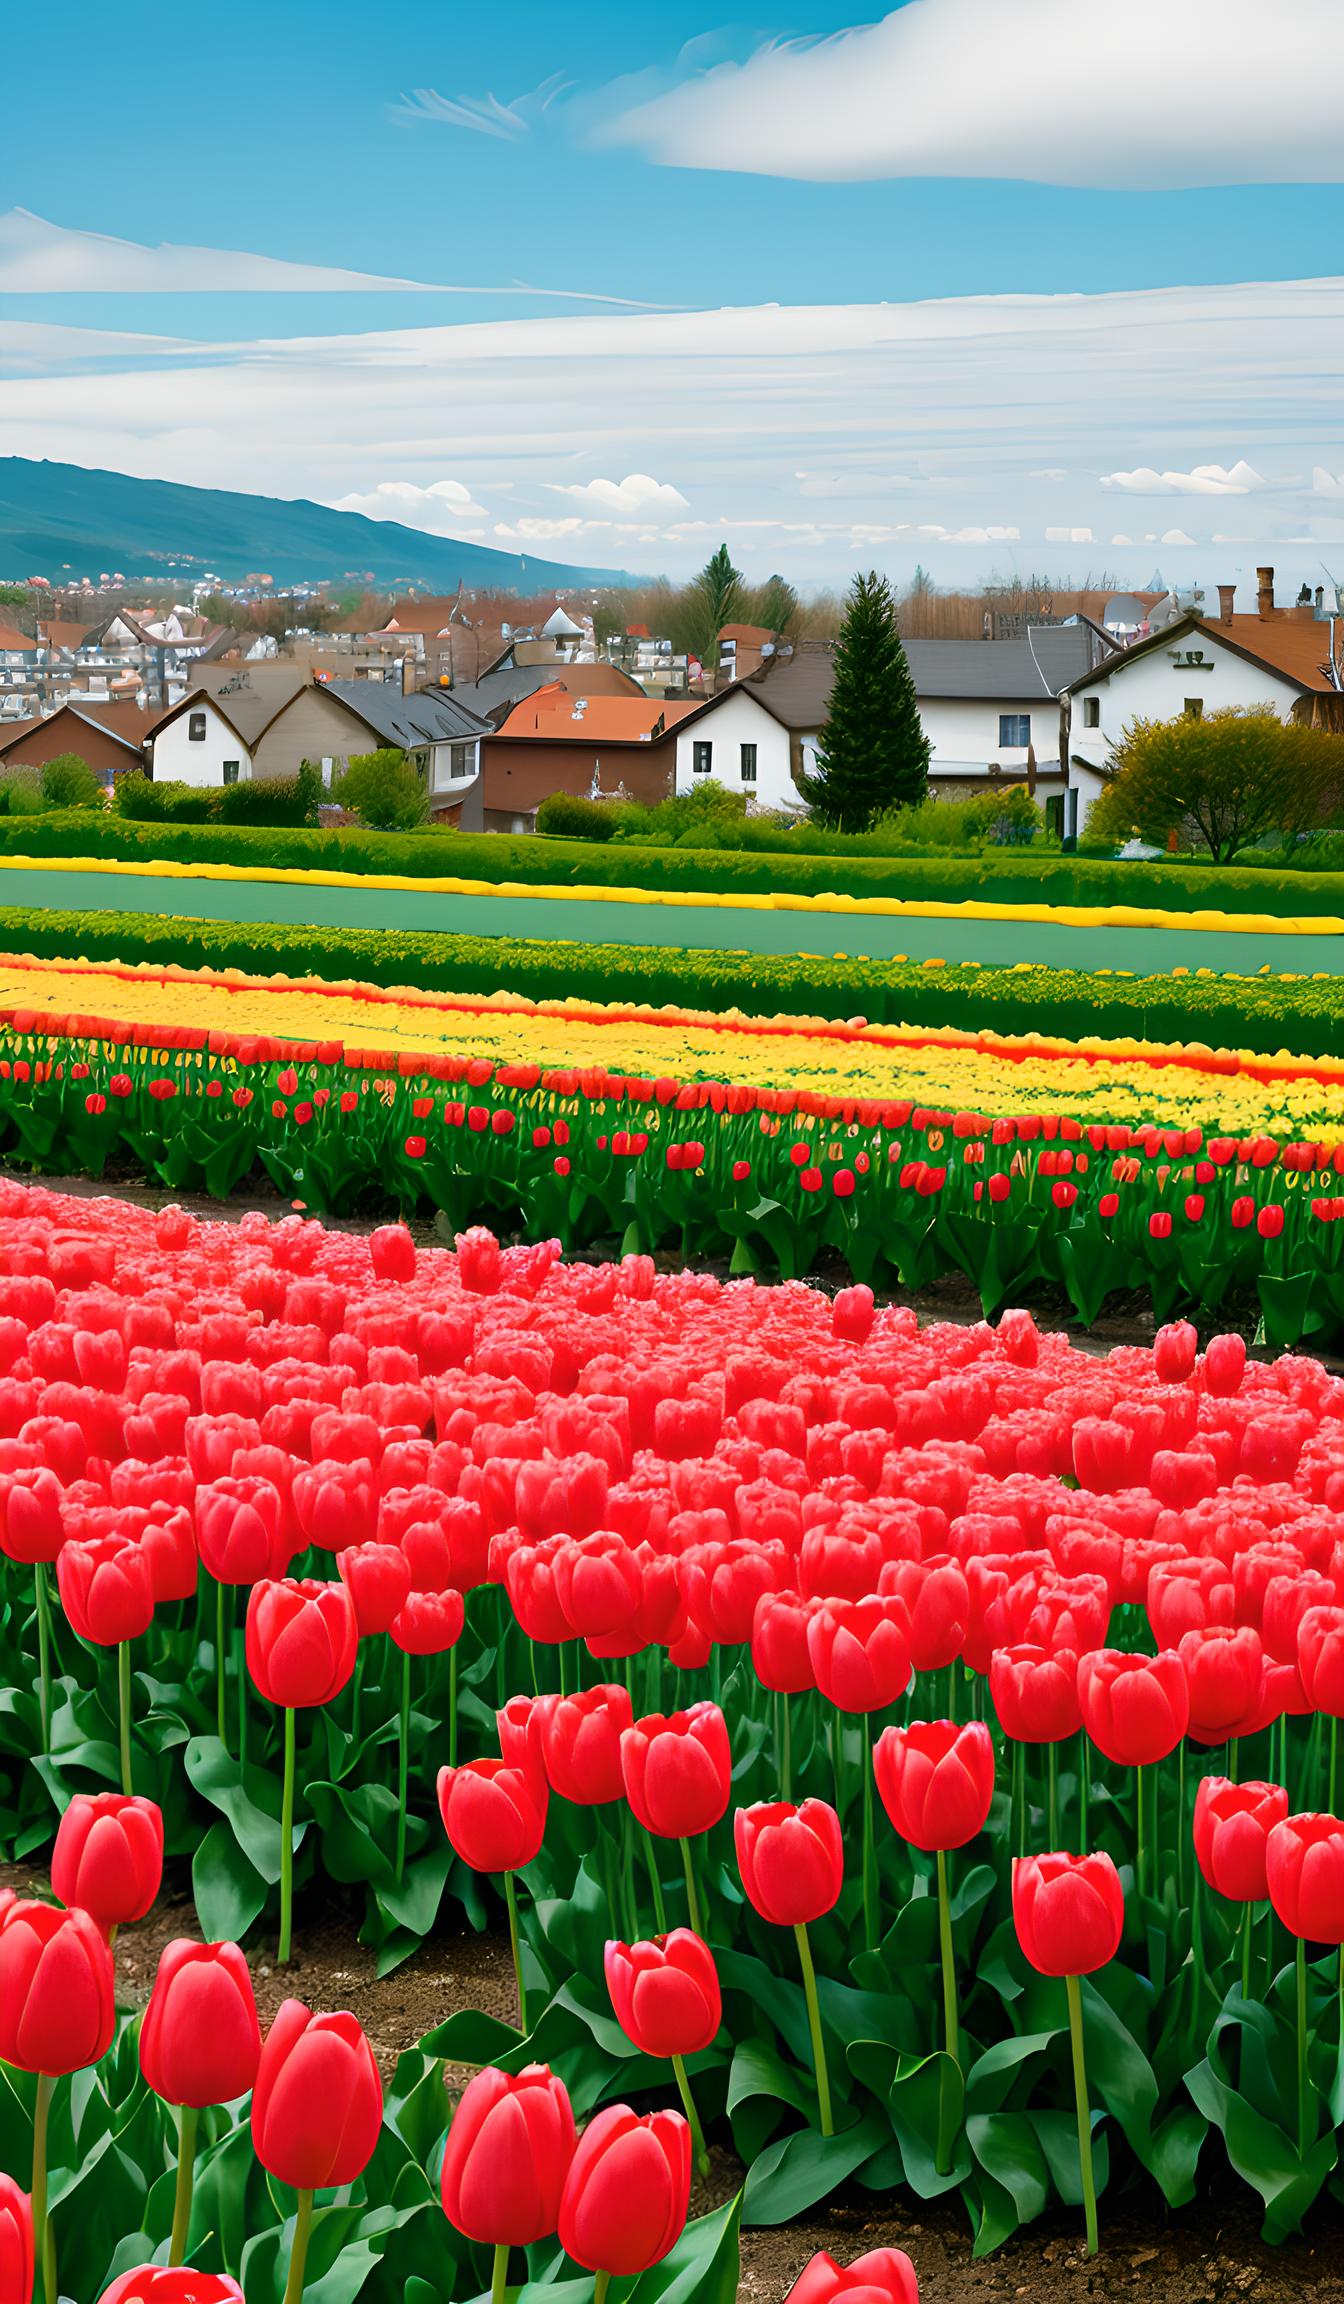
<point x="229" y="1892"/>
<point x="1009" y="2152"/>
<point x="791" y="2176"/>
<point x="254" y="1821"/>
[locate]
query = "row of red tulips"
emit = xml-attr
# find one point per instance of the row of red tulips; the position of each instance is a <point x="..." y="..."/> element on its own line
<point x="806" y="1500"/>
<point x="514" y="2171"/>
<point x="774" y="1179"/>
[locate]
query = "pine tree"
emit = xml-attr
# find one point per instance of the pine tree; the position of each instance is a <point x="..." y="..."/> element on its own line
<point x="711" y="600"/>
<point x="873" y="753"/>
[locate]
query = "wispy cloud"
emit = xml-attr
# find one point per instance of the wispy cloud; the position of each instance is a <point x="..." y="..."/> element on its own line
<point x="1205" y="480"/>
<point x="1156" y="97"/>
<point x="42" y="259"/>
<point x="637" y="497"/>
<point x="444" y="508"/>
<point x="485" y="115"/>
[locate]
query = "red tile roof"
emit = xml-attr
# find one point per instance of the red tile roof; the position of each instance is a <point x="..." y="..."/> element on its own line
<point x="554" y="714"/>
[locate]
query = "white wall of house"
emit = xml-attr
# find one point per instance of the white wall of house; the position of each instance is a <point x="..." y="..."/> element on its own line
<point x="184" y="756"/>
<point x="453" y="767"/>
<point x="738" y="721"/>
<point x="967" y="734"/>
<point x="1194" y="669"/>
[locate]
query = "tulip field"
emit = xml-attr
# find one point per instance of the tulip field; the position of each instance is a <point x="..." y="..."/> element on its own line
<point x="901" y="1758"/>
<point x="1097" y="1169"/>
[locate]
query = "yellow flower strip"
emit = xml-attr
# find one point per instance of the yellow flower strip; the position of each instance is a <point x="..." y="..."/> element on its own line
<point x="992" y="1075"/>
<point x="1062" y="915"/>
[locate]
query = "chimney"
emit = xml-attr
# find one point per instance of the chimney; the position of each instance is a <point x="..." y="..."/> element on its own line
<point x="1264" y="580"/>
<point x="1320" y="599"/>
<point x="1227" y="593"/>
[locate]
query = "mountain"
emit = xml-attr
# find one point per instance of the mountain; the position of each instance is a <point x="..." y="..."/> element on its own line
<point x="63" y="522"/>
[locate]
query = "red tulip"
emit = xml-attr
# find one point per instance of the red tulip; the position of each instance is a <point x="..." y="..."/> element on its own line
<point x="519" y="1724"/>
<point x="1320" y="1660"/>
<point x="676" y="1769"/>
<point x="1135" y="1708"/>
<point x="1035" y="1693"/>
<point x="860" y="1651"/>
<point x="580" y="1739"/>
<point x="1069" y="1912"/>
<point x="108" y="1857"/>
<point x="628" y="2190"/>
<point x="779" y="1651"/>
<point x="16" y="2244"/>
<point x="883" y="2276"/>
<point x="200" y="2041"/>
<point x="1225" y="1673"/>
<point x="428" y="1624"/>
<point x="242" y="1529"/>
<point x="317" y="2105"/>
<point x="1175" y="1348"/>
<point x="508" y="2153"/>
<point x="792" y="1859"/>
<point x="936" y="1781"/>
<point x="378" y="1579"/>
<point x="938" y="1605"/>
<point x="392" y="1253"/>
<point x="665" y="1993"/>
<point x="1304" y="1868"/>
<point x="172" y="2284"/>
<point x="301" y="1641"/>
<point x="105" y="1589"/>
<point x="494" y="1815"/>
<point x="56" y="2004"/>
<point x="31" y="1527"/>
<point x="1232" y="1827"/>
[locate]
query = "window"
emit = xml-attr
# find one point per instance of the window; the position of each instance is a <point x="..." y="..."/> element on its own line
<point x="1091" y="711"/>
<point x="748" y="763"/>
<point x="1014" y="731"/>
<point x="702" y="759"/>
<point x="461" y="761"/>
<point x="231" y="768"/>
<point x="1194" y="707"/>
<point x="196" y="727"/>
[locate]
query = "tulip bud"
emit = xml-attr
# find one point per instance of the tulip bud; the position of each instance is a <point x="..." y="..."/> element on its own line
<point x="108" y="1857"/>
<point x="16" y="2244"/>
<point x="1233" y="1823"/>
<point x="200" y="2041"/>
<point x="627" y="2192"/>
<point x="317" y="2103"/>
<point x="883" y="2276"/>
<point x="301" y="1641"/>
<point x="494" y="1815"/>
<point x="677" y="1769"/>
<point x="792" y="1860"/>
<point x="508" y="2153"/>
<point x="1069" y="1912"/>
<point x="665" y="1993"/>
<point x="936" y="1781"/>
<point x="56" y="2001"/>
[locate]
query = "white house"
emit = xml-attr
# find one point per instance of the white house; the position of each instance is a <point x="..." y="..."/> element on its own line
<point x="990" y="708"/>
<point x="265" y="721"/>
<point x="198" y="743"/>
<point x="742" y="744"/>
<point x="1290" y="661"/>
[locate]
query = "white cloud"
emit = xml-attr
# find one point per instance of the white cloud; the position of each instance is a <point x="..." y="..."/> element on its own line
<point x="1069" y="536"/>
<point x="1157" y="98"/>
<point x="1204" y="480"/>
<point x="485" y="115"/>
<point x="1177" y="536"/>
<point x="444" y="508"/>
<point x="42" y="259"/>
<point x="736" y="403"/>
<point x="844" y="483"/>
<point x="1326" y="483"/>
<point x="1049" y="472"/>
<point x="637" y="497"/>
<point x="1123" y="540"/>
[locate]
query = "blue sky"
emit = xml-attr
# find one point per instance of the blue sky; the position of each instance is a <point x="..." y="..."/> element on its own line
<point x="610" y="160"/>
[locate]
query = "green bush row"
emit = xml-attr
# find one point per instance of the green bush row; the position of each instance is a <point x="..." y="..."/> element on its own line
<point x="1006" y="875"/>
<point x="1260" y="1012"/>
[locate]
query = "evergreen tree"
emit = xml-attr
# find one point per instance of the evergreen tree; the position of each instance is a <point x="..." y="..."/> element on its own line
<point x="873" y="753"/>
<point x="711" y="600"/>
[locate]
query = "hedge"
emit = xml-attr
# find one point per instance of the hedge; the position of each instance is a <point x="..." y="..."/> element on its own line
<point x="1010" y="876"/>
<point x="1265" y="1013"/>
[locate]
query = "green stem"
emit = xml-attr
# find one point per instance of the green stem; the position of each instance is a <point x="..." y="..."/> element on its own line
<point x="499" y="2273"/>
<point x="1052" y="1779"/>
<point x="287" y="1855"/>
<point x="1181" y="1834"/>
<point x="1085" y="1778"/>
<point x="452" y="1704"/>
<point x="357" y="1696"/>
<point x="814" y="2027"/>
<point x="403" y="1758"/>
<point x="948" y="2109"/>
<point x="44" y="2252"/>
<point x="43" y="1600"/>
<point x="1303" y="2088"/>
<point x="659" y="1908"/>
<point x="1141" y="1851"/>
<point x="1233" y="1759"/>
<point x="221" y="1714"/>
<point x="124" y="1712"/>
<point x="1334" y="1765"/>
<point x="869" y="1850"/>
<point x="511" y="1899"/>
<point x="698" y="2145"/>
<point x="601" y="2283"/>
<point x="692" y="1898"/>
<point x="1084" y="2114"/>
<point x="786" y="1750"/>
<point x="1020" y="1799"/>
<point x="241" y="1676"/>
<point x="1247" y="1919"/>
<point x="187" y="2120"/>
<point x="838" y="1762"/>
<point x="303" y="2225"/>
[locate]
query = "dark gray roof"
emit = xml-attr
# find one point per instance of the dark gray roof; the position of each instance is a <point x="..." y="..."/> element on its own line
<point x="1037" y="662"/>
<point x="429" y="716"/>
<point x="507" y="685"/>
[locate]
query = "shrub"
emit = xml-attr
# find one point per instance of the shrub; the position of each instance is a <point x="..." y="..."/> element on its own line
<point x="69" y="782"/>
<point x="384" y="790"/>
<point x="272" y="799"/>
<point x="571" y="816"/>
<point x="142" y="801"/>
<point x="23" y="792"/>
<point x="1230" y="778"/>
